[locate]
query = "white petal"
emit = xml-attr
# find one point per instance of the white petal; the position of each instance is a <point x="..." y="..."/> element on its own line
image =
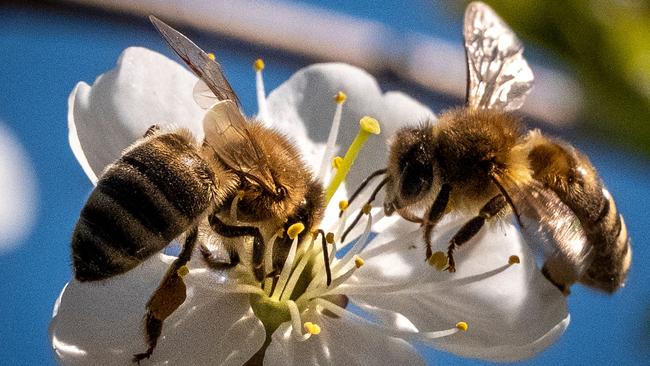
<point x="303" y="107"/>
<point x="101" y="323"/>
<point x="145" y="88"/>
<point x="342" y="341"/>
<point x="512" y="313"/>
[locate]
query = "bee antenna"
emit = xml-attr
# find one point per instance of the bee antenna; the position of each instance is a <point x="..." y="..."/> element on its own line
<point x="363" y="185"/>
<point x="370" y="200"/>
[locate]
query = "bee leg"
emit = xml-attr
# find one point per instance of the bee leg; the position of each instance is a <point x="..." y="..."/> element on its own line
<point x="167" y="297"/>
<point x="232" y="231"/>
<point x="472" y="227"/>
<point x="152" y="130"/>
<point x="434" y="215"/>
<point x="216" y="263"/>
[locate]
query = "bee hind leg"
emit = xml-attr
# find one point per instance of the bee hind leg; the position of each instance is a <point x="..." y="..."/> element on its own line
<point x="169" y="295"/>
<point x="473" y="226"/>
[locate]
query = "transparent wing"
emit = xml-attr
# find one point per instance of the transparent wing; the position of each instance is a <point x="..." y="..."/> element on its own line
<point x="547" y="224"/>
<point x="227" y="134"/>
<point x="207" y="69"/>
<point x="498" y="75"/>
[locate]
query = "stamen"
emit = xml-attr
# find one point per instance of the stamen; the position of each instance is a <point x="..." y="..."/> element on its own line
<point x="295" y="322"/>
<point x="367" y="126"/>
<point x="336" y="162"/>
<point x="343" y="204"/>
<point x="268" y="260"/>
<point x="263" y="110"/>
<point x="286" y="270"/>
<point x="439" y="260"/>
<point x="182" y="271"/>
<point x="296" y="272"/>
<point x="334" y="132"/>
<point x="462" y="326"/>
<point x="312" y="328"/>
<point x="357" y="247"/>
<point x="358" y="261"/>
<point x="211" y="56"/>
<point x="514" y="259"/>
<point x="294" y="230"/>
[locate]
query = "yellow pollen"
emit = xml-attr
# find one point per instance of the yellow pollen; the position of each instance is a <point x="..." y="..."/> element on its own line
<point x="340" y="97"/>
<point x="368" y="126"/>
<point x="462" y="326"/>
<point x="182" y="271"/>
<point x="295" y="230"/>
<point x="358" y="261"/>
<point x="211" y="56"/>
<point x="366" y="208"/>
<point x="343" y="204"/>
<point x="329" y="238"/>
<point x="514" y="259"/>
<point x="312" y="328"/>
<point x="336" y="162"/>
<point x="438" y="260"/>
<point x="258" y="64"/>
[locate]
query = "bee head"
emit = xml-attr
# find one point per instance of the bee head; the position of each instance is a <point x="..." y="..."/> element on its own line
<point x="411" y="167"/>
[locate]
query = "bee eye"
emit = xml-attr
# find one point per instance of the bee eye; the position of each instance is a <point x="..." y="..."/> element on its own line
<point x="416" y="179"/>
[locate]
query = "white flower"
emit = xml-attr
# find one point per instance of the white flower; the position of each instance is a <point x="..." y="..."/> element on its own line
<point x="395" y="298"/>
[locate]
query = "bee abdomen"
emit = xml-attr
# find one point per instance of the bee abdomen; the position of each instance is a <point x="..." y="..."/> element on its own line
<point x="612" y="252"/>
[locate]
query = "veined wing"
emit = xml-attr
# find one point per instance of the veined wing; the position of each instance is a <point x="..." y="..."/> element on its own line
<point x="207" y="69"/>
<point x="498" y="75"/>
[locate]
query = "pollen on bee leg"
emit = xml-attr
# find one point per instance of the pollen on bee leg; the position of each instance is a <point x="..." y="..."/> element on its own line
<point x="294" y="230"/>
<point x="438" y="260"/>
<point x="367" y="126"/>
<point x="263" y="109"/>
<point x="311" y="328"/>
<point x="182" y="271"/>
<point x="514" y="259"/>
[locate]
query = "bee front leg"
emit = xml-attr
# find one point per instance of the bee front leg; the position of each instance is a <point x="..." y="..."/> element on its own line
<point x="472" y="227"/>
<point x="152" y="130"/>
<point x="434" y="215"/>
<point x="167" y="297"/>
<point x="232" y="231"/>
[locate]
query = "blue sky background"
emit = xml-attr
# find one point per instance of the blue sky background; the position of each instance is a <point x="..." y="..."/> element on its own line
<point x="46" y="50"/>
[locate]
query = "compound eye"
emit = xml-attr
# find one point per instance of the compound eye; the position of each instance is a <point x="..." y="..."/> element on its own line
<point x="416" y="179"/>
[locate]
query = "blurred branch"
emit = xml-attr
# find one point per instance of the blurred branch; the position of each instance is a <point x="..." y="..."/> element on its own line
<point x="324" y="35"/>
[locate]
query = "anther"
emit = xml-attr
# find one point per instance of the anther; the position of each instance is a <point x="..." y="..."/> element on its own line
<point x="336" y="162"/>
<point x="514" y="259"/>
<point x="462" y="326"/>
<point x="340" y="97"/>
<point x="366" y="208"/>
<point x="312" y="328"/>
<point x="182" y="271"/>
<point x="370" y="125"/>
<point x="358" y="261"/>
<point x="438" y="260"/>
<point x="329" y="238"/>
<point x="343" y="204"/>
<point x="294" y="230"/>
<point x="258" y="64"/>
<point x="211" y="56"/>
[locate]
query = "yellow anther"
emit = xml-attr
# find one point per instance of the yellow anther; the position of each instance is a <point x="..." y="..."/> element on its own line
<point x="366" y="208"/>
<point x="438" y="260"/>
<point x="340" y="97"/>
<point x="312" y="328"/>
<point x="336" y="162"/>
<point x="211" y="56"/>
<point x="370" y="125"/>
<point x="182" y="271"/>
<point x="343" y="204"/>
<point x="514" y="259"/>
<point x="258" y="64"/>
<point x="295" y="230"/>
<point x="358" y="261"/>
<point x="329" y="238"/>
<point x="462" y="326"/>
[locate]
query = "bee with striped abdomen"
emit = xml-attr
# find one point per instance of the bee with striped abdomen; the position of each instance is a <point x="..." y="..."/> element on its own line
<point x="168" y="184"/>
<point x="481" y="161"/>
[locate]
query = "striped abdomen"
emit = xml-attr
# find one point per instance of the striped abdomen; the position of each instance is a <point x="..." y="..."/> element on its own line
<point x="574" y="179"/>
<point x="152" y="194"/>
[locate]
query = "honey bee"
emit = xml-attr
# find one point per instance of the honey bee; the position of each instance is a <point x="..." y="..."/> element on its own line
<point x="168" y="184"/>
<point x="478" y="159"/>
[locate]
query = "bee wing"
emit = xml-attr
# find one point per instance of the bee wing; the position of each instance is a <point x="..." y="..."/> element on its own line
<point x="498" y="75"/>
<point x="227" y="134"/>
<point x="207" y="69"/>
<point x="547" y="223"/>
